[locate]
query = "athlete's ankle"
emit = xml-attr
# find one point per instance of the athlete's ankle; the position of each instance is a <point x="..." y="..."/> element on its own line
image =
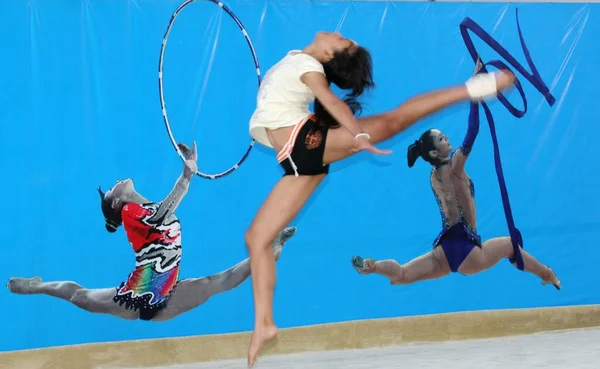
<point x="370" y="265"/>
<point x="548" y="274"/>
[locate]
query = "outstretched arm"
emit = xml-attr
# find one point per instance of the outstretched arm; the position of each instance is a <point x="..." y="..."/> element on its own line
<point x="340" y="111"/>
<point x="171" y="202"/>
<point x="461" y="155"/>
<point x="334" y="105"/>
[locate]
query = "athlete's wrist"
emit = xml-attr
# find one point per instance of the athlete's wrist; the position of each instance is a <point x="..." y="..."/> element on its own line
<point x="361" y="136"/>
<point x="186" y="176"/>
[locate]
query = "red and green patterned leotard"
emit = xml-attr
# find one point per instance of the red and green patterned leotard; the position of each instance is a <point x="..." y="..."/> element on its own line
<point x="157" y="245"/>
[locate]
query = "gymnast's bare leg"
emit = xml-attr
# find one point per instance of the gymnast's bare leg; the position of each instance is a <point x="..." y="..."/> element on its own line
<point x="496" y="249"/>
<point x="190" y="293"/>
<point x="431" y="265"/>
<point x="434" y="264"/>
<point x="98" y="301"/>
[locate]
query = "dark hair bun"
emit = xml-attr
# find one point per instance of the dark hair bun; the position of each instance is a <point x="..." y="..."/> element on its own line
<point x="414" y="151"/>
<point x="110" y="228"/>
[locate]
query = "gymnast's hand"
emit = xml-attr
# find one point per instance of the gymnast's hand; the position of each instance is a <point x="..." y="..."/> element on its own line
<point x="191" y="156"/>
<point x="363" y="143"/>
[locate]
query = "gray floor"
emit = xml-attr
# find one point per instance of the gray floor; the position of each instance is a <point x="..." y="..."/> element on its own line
<point x="577" y="349"/>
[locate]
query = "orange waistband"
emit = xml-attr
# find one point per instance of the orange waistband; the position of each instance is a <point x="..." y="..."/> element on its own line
<point x="287" y="149"/>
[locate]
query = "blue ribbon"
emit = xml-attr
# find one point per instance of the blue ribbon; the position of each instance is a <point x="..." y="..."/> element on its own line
<point x="534" y="78"/>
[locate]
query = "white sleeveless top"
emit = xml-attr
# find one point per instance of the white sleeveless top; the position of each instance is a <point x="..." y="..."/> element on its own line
<point x="283" y="99"/>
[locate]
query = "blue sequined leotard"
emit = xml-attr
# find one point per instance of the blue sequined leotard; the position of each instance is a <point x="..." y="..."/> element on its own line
<point x="455" y="197"/>
<point x="454" y="191"/>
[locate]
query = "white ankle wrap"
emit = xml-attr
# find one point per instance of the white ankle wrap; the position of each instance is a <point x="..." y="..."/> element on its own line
<point x="481" y="86"/>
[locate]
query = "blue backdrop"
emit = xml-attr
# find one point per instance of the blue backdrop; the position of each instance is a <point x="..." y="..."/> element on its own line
<point x="81" y="109"/>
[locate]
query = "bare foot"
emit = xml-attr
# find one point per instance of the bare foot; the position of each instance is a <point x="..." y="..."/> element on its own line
<point x="363" y="266"/>
<point x="23" y="286"/>
<point x="281" y="239"/>
<point x="259" y="338"/>
<point x="550" y="278"/>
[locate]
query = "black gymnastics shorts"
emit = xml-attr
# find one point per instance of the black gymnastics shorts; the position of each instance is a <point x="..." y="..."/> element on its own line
<point x="302" y="154"/>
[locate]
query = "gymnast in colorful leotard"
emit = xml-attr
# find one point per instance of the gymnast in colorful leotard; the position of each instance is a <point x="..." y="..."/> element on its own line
<point x="152" y="291"/>
<point x="458" y="247"/>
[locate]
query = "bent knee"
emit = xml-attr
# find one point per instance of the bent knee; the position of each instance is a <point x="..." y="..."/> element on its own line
<point x="81" y="298"/>
<point x="256" y="240"/>
<point x="250" y="237"/>
<point x="401" y="277"/>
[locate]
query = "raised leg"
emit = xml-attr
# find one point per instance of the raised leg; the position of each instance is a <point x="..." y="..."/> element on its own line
<point x="496" y="249"/>
<point x="193" y="292"/>
<point x="432" y="265"/>
<point x="381" y="127"/>
<point x="95" y="300"/>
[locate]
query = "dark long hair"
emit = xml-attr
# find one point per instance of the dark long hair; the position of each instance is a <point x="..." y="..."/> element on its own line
<point x="421" y="148"/>
<point x="349" y="71"/>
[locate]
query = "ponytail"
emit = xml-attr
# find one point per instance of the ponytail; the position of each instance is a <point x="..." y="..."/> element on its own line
<point x="414" y="152"/>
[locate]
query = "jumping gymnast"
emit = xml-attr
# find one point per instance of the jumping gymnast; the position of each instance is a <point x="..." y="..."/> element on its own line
<point x="458" y="247"/>
<point x="307" y="143"/>
<point x="152" y="291"/>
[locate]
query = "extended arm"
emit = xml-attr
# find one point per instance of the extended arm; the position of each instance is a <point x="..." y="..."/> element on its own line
<point x="461" y="155"/>
<point x="340" y="111"/>
<point x="335" y="106"/>
<point x="173" y="199"/>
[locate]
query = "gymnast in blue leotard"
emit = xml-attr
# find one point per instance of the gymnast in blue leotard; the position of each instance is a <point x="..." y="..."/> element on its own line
<point x="458" y="247"/>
